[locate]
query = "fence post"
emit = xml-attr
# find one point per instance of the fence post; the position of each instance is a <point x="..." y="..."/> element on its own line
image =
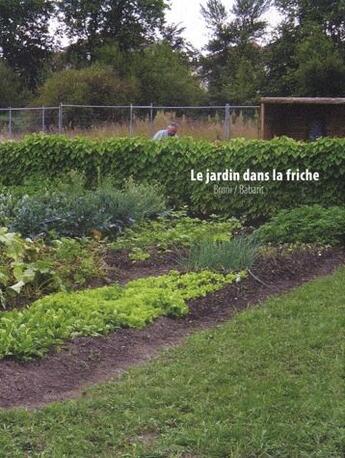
<point x="43" y="119"/>
<point x="151" y="118"/>
<point x="227" y="122"/>
<point x="131" y="120"/>
<point x="60" y="118"/>
<point x="10" y="122"/>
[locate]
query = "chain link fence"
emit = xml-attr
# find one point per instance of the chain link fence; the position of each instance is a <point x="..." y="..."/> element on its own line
<point x="208" y="122"/>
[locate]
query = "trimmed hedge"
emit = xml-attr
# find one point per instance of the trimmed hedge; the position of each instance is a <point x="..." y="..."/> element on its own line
<point x="171" y="161"/>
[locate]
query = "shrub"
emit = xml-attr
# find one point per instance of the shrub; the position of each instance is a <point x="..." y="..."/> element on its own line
<point x="170" y="162"/>
<point x="225" y="256"/>
<point x="70" y="210"/>
<point x="307" y="224"/>
<point x="134" y="202"/>
<point x="94" y="85"/>
<point x="53" y="319"/>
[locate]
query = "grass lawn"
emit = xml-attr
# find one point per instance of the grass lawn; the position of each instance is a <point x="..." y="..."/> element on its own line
<point x="269" y="383"/>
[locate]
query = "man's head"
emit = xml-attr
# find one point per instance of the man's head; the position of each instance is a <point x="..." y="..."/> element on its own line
<point x="172" y="129"/>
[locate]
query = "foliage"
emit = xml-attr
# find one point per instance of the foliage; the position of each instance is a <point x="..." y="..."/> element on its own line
<point x="165" y="78"/>
<point x="12" y="91"/>
<point x="269" y="382"/>
<point x="16" y="272"/>
<point x="173" y="230"/>
<point x="156" y="74"/>
<point x="56" y="318"/>
<point x="25" y="40"/>
<point x="306" y="53"/>
<point x="328" y="14"/>
<point x="313" y="224"/>
<point x="131" y="24"/>
<point x="73" y="263"/>
<point x="320" y="67"/>
<point x="30" y="269"/>
<point x="170" y="163"/>
<point x="94" y="85"/>
<point x="223" y="256"/>
<point x="234" y="65"/>
<point x="135" y="202"/>
<point x="280" y="61"/>
<point x="70" y="210"/>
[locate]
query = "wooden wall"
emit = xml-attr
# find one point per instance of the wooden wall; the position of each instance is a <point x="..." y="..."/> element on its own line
<point x="295" y="120"/>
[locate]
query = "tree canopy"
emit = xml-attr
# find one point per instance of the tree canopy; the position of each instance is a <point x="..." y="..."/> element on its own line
<point x="58" y="50"/>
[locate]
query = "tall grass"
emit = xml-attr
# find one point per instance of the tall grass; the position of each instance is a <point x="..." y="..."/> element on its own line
<point x="209" y="128"/>
<point x="204" y="127"/>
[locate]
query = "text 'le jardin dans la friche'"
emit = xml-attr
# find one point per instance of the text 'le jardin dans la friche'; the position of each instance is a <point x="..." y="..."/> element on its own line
<point x="230" y="175"/>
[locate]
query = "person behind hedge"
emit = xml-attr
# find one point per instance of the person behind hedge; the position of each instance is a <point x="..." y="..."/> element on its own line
<point x="170" y="131"/>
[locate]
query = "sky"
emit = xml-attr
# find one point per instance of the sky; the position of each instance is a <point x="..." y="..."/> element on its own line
<point x="188" y="13"/>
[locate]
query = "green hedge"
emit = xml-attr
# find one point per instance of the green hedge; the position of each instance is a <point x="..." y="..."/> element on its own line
<point x="170" y="162"/>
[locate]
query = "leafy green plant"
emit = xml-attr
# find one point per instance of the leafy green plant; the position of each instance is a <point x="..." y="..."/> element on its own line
<point x="307" y="224"/>
<point x="170" y="164"/>
<point x="174" y="230"/>
<point x="224" y="256"/>
<point x="136" y="201"/>
<point x="7" y="208"/>
<point x="74" y="262"/>
<point x="16" y="271"/>
<point x="50" y="321"/>
<point x="30" y="269"/>
<point x="70" y="210"/>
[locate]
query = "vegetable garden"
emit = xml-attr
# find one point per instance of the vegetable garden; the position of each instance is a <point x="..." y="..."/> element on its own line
<point x="106" y="242"/>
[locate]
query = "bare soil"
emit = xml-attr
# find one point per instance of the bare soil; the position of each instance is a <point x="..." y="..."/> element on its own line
<point x="66" y="373"/>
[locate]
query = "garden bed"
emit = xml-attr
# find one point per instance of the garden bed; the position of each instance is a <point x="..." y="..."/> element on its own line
<point x="84" y="361"/>
<point x="122" y="269"/>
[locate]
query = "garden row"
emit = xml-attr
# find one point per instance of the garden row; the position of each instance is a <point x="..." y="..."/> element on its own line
<point x="111" y="199"/>
<point x="270" y="382"/>
<point x="57" y="235"/>
<point x="170" y="163"/>
<point x="208" y="254"/>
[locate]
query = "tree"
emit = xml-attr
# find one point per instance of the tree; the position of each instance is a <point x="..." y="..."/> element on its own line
<point x="172" y="34"/>
<point x="329" y="14"/>
<point x="320" y="68"/>
<point x="12" y="90"/>
<point x="306" y="55"/>
<point x="89" y="86"/>
<point x="244" y="86"/>
<point x="94" y="85"/>
<point x="165" y="77"/>
<point x="215" y="15"/>
<point x="235" y="45"/>
<point x="129" y="23"/>
<point x="280" y="60"/>
<point x="25" y="41"/>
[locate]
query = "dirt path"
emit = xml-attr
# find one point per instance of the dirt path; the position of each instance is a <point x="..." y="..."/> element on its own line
<point x="84" y="361"/>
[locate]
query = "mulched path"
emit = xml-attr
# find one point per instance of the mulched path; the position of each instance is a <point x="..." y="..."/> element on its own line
<point x="84" y="361"/>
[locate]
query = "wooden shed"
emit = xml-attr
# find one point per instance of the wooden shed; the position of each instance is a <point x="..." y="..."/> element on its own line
<point x="302" y="118"/>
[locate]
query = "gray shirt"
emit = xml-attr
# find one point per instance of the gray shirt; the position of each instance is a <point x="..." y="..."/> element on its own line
<point x="161" y="134"/>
